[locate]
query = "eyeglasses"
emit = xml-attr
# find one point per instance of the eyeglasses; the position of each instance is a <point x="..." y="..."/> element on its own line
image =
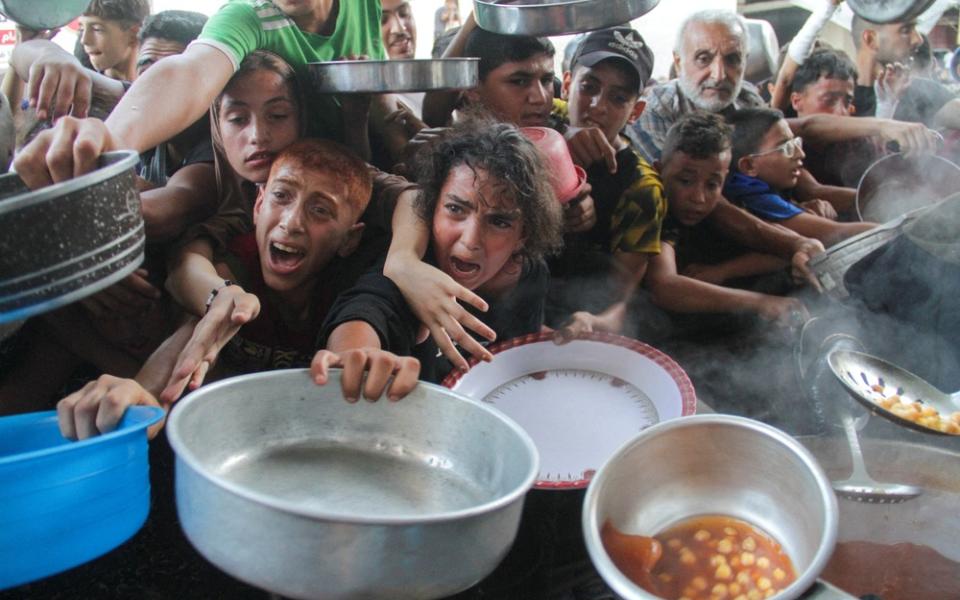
<point x="789" y="148"/>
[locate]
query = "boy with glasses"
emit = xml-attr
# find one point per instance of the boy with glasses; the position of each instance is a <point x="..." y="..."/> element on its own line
<point x="766" y="166"/>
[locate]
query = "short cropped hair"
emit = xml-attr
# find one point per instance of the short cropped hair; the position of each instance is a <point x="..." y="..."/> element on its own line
<point x="824" y="63"/>
<point x="513" y="164"/>
<point x="181" y="26"/>
<point x="326" y="155"/>
<point x="495" y="49"/>
<point x="698" y="134"/>
<point x="857" y="26"/>
<point x="749" y="127"/>
<point x="127" y="12"/>
<point x="712" y="16"/>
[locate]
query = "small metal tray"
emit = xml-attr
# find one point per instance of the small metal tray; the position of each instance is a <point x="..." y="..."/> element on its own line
<point x="382" y="76"/>
<point x="552" y="17"/>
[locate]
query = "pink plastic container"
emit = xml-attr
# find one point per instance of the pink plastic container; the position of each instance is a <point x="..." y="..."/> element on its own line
<point x="565" y="177"/>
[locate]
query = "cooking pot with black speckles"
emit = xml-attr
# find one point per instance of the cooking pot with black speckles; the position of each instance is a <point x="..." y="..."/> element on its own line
<point x="66" y="241"/>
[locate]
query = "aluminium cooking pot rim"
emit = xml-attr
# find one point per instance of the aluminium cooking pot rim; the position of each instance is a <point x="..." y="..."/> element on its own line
<point x="111" y="164"/>
<point x="559" y="17"/>
<point x="185" y="454"/>
<point x="831" y="518"/>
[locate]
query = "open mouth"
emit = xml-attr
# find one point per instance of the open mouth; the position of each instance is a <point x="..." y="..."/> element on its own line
<point x="260" y="159"/>
<point x="463" y="268"/>
<point x="284" y="258"/>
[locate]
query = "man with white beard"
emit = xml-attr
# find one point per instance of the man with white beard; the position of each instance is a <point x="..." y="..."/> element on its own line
<point x="709" y="55"/>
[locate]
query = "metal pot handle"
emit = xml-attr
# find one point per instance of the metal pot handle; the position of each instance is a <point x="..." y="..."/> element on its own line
<point x="821" y="590"/>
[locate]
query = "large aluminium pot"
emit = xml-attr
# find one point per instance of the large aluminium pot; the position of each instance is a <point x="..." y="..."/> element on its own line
<point x="716" y="465"/>
<point x="286" y="486"/>
<point x="896" y="184"/>
<point x="904" y="551"/>
<point x="68" y="240"/>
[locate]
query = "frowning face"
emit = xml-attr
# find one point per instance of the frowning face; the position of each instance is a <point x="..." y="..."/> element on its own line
<point x="475" y="230"/>
<point x="303" y="219"/>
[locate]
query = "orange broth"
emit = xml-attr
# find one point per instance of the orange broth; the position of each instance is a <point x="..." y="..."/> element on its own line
<point x="703" y="558"/>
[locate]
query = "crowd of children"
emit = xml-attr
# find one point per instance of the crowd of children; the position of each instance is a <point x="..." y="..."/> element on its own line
<point x="274" y="242"/>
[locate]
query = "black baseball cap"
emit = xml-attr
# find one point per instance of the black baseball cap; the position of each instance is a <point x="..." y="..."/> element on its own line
<point x="622" y="43"/>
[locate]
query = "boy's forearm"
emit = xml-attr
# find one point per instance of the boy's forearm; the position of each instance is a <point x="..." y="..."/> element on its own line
<point x="753" y="232"/>
<point x="438" y="106"/>
<point x="681" y="294"/>
<point x="168" y="97"/>
<point x="841" y="198"/>
<point x="410" y="233"/>
<point x="188" y="197"/>
<point x="192" y="276"/>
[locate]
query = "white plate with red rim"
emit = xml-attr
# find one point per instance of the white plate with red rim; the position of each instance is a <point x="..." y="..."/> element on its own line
<point x="579" y="401"/>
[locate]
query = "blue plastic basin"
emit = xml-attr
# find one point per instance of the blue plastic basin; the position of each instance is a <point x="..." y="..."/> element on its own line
<point x="63" y="503"/>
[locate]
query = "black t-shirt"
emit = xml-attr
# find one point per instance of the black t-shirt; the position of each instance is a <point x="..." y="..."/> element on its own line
<point x="377" y="301"/>
<point x="156" y="166"/>
<point x="698" y="244"/>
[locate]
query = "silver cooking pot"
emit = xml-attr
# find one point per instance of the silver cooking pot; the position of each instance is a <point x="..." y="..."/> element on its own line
<point x="917" y="528"/>
<point x="716" y="464"/>
<point x="895" y="185"/>
<point x="45" y="14"/>
<point x="286" y="486"/>
<point x="66" y="241"/>
<point x="889" y="11"/>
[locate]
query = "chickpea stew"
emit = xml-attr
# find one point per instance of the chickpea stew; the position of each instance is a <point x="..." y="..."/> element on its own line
<point x="711" y="557"/>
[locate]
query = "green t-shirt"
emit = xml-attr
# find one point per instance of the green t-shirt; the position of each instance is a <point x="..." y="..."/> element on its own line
<point x="242" y="26"/>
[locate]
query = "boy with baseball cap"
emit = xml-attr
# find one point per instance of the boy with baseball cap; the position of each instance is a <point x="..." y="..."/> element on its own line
<point x="601" y="95"/>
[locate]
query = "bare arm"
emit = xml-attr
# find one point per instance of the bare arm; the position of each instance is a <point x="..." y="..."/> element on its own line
<point x="948" y="117"/>
<point x="57" y="81"/>
<point x="189" y="196"/>
<point x="826" y="230"/>
<point x="828" y="129"/>
<point x="146" y="116"/>
<point x="841" y="198"/>
<point x="438" y="106"/>
<point x="681" y="294"/>
<point x="780" y="98"/>
<point x="192" y="275"/>
<point x="756" y="233"/>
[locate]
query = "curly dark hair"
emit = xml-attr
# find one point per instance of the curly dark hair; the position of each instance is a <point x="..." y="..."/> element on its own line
<point x="509" y="158"/>
<point x="698" y="134"/>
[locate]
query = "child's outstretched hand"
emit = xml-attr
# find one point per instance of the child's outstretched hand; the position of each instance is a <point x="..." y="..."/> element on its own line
<point x="98" y="407"/>
<point x="432" y="296"/>
<point x="230" y="310"/>
<point x="378" y="365"/>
